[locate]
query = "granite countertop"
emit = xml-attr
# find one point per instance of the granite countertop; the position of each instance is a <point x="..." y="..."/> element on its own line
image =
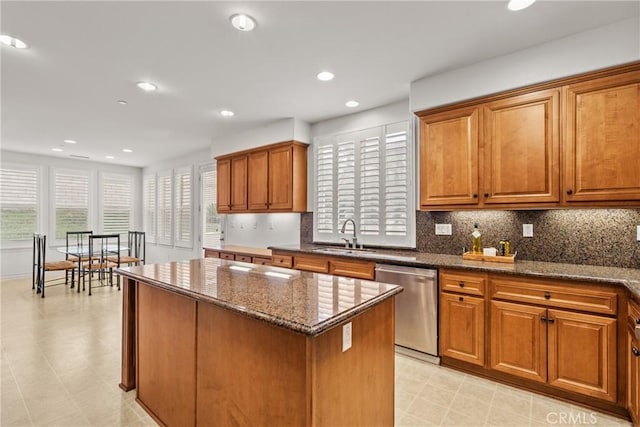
<point x="309" y="303"/>
<point x="628" y="277"/>
<point x="243" y="250"/>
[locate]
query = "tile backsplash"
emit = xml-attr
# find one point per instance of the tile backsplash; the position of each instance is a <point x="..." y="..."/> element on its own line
<point x="575" y="236"/>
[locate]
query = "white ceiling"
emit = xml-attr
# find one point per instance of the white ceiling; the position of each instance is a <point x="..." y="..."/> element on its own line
<point x="84" y="56"/>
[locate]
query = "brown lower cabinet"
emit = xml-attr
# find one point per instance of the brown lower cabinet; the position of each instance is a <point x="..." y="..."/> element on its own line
<point x="561" y="338"/>
<point x="633" y="363"/>
<point x="337" y="266"/>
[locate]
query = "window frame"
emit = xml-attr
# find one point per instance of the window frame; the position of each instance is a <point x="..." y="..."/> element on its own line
<point x="101" y="205"/>
<point x="202" y="209"/>
<point x="162" y="239"/>
<point x="150" y="235"/>
<point x="177" y="172"/>
<point x="91" y="205"/>
<point x="26" y="243"/>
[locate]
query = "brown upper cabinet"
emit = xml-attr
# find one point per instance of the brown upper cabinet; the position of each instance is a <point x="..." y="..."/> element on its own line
<point x="603" y="139"/>
<point x="569" y="142"/>
<point x="271" y="178"/>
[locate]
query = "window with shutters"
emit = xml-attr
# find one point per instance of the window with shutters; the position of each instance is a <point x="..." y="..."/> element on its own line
<point x="163" y="234"/>
<point x="365" y="176"/>
<point x="116" y="203"/>
<point x="211" y="226"/>
<point x="71" y="201"/>
<point x="149" y="207"/>
<point x="182" y="207"/>
<point x="18" y="203"/>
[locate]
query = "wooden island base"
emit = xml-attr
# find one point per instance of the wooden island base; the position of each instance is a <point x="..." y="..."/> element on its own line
<point x="201" y="364"/>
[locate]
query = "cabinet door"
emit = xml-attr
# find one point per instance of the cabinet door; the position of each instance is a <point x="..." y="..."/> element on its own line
<point x="223" y="185"/>
<point x="518" y="340"/>
<point x="521" y="149"/>
<point x="239" y="183"/>
<point x="603" y="139"/>
<point x="462" y="327"/>
<point x="449" y="158"/>
<point x="258" y="180"/>
<point x="281" y="178"/>
<point x="582" y="353"/>
<point x="633" y="379"/>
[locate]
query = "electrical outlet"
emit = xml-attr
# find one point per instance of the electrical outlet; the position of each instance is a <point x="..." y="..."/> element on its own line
<point x="527" y="230"/>
<point x="346" y="336"/>
<point x="443" y="229"/>
<point x="638" y="234"/>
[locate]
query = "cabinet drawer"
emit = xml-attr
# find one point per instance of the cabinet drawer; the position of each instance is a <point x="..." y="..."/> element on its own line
<point x="225" y="255"/>
<point x="243" y="258"/>
<point x="282" y="261"/>
<point x="463" y="283"/>
<point x="579" y="297"/>
<point x="315" y="264"/>
<point x="261" y="260"/>
<point x="356" y="269"/>
<point x="211" y="254"/>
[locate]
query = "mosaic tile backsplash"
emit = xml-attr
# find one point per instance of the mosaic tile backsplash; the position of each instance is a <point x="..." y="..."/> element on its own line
<point x="576" y="236"/>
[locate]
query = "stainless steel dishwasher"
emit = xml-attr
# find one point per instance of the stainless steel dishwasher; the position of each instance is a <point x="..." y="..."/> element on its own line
<point x="416" y="309"/>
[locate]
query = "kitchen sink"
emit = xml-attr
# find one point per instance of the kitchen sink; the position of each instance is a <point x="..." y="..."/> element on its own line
<point x="343" y="250"/>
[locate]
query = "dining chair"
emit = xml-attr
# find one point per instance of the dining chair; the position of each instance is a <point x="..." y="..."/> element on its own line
<point x="104" y="256"/>
<point x="136" y="249"/>
<point x="77" y="241"/>
<point x="41" y="266"/>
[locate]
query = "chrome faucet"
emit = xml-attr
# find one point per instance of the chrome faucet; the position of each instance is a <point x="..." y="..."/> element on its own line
<point x="354" y="244"/>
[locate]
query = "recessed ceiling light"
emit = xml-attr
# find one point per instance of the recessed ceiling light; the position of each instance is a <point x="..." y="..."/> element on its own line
<point x="227" y="113"/>
<point x="122" y="102"/>
<point x="58" y="150"/>
<point x="127" y="150"/>
<point x="242" y="22"/>
<point x="70" y="141"/>
<point x="147" y="86"/>
<point x="519" y="4"/>
<point x="325" y="76"/>
<point x="110" y="157"/>
<point x="12" y="42"/>
<point x="352" y="104"/>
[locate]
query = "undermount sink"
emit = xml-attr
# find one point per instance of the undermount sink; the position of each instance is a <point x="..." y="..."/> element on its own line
<point x="370" y="253"/>
<point x="342" y="250"/>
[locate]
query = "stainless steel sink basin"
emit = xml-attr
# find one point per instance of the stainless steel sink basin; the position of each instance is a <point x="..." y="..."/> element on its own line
<point x="343" y="250"/>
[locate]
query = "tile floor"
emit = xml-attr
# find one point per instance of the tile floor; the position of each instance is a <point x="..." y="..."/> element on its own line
<point x="60" y="365"/>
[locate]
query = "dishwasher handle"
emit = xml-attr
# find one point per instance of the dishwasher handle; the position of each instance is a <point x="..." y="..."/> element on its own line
<point x="413" y="272"/>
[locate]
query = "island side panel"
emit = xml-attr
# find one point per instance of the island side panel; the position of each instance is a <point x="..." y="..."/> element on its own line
<point x="249" y="372"/>
<point x="166" y="355"/>
<point x="356" y="387"/>
<point x="128" y="374"/>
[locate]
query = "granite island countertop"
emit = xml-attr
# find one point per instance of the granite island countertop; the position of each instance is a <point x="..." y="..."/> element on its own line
<point x="627" y="277"/>
<point x="300" y="301"/>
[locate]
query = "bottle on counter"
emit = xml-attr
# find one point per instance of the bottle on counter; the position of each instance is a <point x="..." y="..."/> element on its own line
<point x="476" y="240"/>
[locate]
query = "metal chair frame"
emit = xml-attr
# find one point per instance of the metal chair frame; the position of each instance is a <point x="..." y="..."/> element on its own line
<point x="104" y="256"/>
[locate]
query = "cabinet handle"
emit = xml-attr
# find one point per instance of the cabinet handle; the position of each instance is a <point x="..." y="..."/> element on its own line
<point x="460" y="299"/>
<point x="486" y="194"/>
<point x="638" y="321"/>
<point x="550" y="320"/>
<point x="475" y="195"/>
<point x="635" y="352"/>
<point x="547" y="295"/>
<point x="461" y="284"/>
<point x="569" y="191"/>
<point x="543" y="319"/>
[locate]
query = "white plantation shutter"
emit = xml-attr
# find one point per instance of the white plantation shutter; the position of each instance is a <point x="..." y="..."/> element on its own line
<point x="365" y="175"/>
<point x="182" y="210"/>
<point x="18" y="202"/>
<point x="164" y="234"/>
<point x="71" y="195"/>
<point x="149" y="207"/>
<point x="116" y="203"/>
<point x="211" y="222"/>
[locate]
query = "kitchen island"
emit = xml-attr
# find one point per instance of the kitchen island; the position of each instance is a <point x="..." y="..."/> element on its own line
<point x="215" y="342"/>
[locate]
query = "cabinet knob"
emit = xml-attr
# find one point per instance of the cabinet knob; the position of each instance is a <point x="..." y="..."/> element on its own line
<point x="638" y="321"/>
<point x="569" y="191"/>
<point x="475" y="195"/>
<point x="460" y="299"/>
<point x="635" y="352"/>
<point x="547" y="295"/>
<point x="461" y="284"/>
<point x="486" y="194"/>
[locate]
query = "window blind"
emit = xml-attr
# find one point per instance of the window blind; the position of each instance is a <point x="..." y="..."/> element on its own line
<point x="211" y="222"/>
<point x="18" y="203"/>
<point x="116" y="203"/>
<point x="149" y="207"/>
<point x="366" y="176"/>
<point x="164" y="234"/>
<point x="182" y="203"/>
<point x="71" y="201"/>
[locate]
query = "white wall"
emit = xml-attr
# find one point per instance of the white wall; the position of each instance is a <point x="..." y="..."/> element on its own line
<point x="602" y="47"/>
<point x="16" y="261"/>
